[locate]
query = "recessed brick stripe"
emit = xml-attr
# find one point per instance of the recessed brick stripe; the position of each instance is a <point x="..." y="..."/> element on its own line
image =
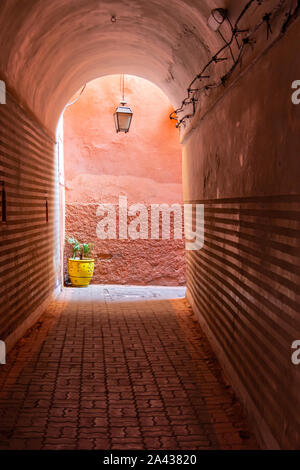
<point x="27" y="168"/>
<point x="244" y="284"/>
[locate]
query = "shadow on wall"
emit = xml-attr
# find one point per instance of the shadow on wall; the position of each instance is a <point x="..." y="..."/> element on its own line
<point x="143" y="165"/>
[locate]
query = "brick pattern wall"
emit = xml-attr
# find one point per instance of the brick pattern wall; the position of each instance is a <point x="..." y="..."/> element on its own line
<point x="28" y="260"/>
<point x="242" y="161"/>
<point x="244" y="284"/>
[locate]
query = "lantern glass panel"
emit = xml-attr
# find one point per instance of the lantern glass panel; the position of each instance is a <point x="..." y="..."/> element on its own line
<point x="124" y="121"/>
<point x="123" y="116"/>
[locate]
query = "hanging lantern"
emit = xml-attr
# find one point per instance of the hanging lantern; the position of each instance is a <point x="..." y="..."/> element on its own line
<point x="123" y="114"/>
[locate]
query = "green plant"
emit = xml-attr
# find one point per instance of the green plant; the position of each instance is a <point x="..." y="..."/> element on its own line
<point x="84" y="249"/>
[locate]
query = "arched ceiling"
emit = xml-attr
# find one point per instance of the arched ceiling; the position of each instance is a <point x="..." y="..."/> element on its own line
<point x="50" y="48"/>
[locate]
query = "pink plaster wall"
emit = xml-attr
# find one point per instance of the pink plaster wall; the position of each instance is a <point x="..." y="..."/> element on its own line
<point x="144" y="165"/>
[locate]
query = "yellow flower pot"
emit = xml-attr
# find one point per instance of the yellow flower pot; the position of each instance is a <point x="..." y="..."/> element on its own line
<point x="80" y="271"/>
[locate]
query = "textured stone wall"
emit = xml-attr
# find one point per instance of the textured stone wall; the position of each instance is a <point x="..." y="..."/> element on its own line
<point x="144" y="165"/>
<point x="137" y="262"/>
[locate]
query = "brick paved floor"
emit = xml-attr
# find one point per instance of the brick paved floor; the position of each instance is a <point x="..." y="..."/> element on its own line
<point x="117" y="368"/>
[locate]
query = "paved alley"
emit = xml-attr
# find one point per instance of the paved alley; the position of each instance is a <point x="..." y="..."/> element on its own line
<point x="118" y="367"/>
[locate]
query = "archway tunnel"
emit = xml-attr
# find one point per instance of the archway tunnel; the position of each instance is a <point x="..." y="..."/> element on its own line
<point x="239" y="130"/>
